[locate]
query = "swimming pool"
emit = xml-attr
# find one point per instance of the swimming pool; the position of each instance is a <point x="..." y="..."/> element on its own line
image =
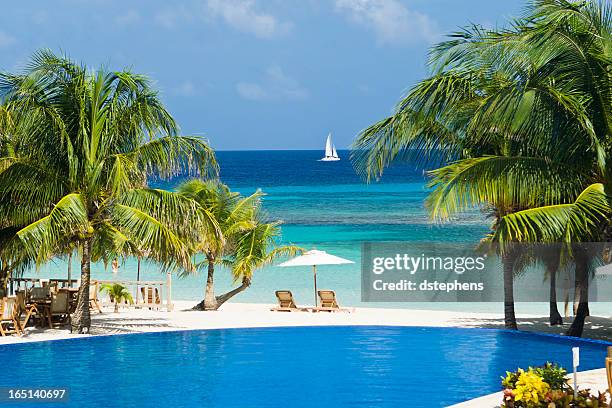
<point x="367" y="366"/>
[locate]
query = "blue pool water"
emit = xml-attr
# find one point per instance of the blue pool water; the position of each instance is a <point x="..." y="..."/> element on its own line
<point x="297" y="367"/>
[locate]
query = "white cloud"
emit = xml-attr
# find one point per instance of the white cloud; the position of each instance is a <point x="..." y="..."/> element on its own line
<point x="127" y="18"/>
<point x="6" y="39"/>
<point x="187" y="88"/>
<point x="171" y="17"/>
<point x="274" y="86"/>
<point x="391" y="20"/>
<point x="242" y="15"/>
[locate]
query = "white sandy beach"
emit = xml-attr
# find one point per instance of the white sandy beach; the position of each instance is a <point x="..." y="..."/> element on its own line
<point x="234" y="315"/>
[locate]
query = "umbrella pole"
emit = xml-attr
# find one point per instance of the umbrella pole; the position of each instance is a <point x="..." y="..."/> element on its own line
<point x="314" y="271"/>
<point x="137" y="278"/>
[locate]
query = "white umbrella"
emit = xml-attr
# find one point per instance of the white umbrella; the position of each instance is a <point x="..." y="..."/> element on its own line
<point x="314" y="258"/>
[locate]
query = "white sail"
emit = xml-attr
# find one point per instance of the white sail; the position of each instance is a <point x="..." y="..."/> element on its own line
<point x="328" y="147"/>
<point x="330" y="150"/>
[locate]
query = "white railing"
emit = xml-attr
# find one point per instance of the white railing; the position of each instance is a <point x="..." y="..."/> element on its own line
<point x="149" y="294"/>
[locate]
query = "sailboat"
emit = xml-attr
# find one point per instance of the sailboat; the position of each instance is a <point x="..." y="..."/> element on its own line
<point x="330" y="150"/>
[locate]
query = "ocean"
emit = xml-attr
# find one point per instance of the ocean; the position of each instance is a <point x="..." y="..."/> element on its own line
<point x="323" y="205"/>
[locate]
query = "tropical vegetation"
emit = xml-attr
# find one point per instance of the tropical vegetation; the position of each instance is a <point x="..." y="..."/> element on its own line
<point x="77" y="147"/>
<point x="117" y="293"/>
<point x="245" y="240"/>
<point x="545" y="387"/>
<point x="520" y="121"/>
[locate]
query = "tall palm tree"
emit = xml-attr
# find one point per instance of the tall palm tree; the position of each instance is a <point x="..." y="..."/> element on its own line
<point x="569" y="225"/>
<point x="512" y="111"/>
<point x="75" y="167"/>
<point x="245" y="241"/>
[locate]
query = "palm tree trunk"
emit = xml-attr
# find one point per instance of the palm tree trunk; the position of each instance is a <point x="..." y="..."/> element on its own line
<point x="581" y="291"/>
<point x="227" y="296"/>
<point x="554" y="316"/>
<point x="209" y="302"/>
<point x="508" y="266"/>
<point x="81" y="321"/>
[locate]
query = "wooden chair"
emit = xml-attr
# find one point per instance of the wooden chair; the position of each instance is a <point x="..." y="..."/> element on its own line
<point x="286" y="303"/>
<point x="40" y="293"/>
<point x="609" y="369"/>
<point x="60" y="306"/>
<point x="8" y="323"/>
<point x="24" y="311"/>
<point x="93" y="296"/>
<point x="328" y="302"/>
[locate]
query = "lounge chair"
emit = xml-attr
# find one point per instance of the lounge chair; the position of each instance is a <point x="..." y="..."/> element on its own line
<point x="93" y="297"/>
<point x="609" y="368"/>
<point x="8" y="322"/>
<point x="286" y="302"/>
<point x="328" y="302"/>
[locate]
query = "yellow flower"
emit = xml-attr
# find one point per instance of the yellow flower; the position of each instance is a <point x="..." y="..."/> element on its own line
<point x="530" y="389"/>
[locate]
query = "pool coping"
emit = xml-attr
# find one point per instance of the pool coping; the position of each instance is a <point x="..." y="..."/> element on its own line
<point x="190" y="330"/>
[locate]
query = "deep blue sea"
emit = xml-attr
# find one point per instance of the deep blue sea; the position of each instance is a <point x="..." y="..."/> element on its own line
<point x="323" y="205"/>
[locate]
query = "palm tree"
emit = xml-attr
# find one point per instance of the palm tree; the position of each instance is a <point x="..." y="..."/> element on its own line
<point x="503" y="106"/>
<point x="246" y="241"/>
<point x="117" y="293"/>
<point x="569" y="225"/>
<point x="75" y="166"/>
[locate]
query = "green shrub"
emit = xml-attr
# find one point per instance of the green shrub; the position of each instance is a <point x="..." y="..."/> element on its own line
<point x="553" y="375"/>
<point x="545" y="387"/>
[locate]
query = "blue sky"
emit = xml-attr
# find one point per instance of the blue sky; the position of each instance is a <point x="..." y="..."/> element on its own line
<point x="254" y="74"/>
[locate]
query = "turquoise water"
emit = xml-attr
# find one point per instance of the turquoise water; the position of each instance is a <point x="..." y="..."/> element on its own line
<point x="289" y="367"/>
<point x="323" y="205"/>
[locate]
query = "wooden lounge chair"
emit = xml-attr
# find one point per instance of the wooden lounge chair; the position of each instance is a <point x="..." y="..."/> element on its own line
<point x="328" y="302"/>
<point x="8" y="322"/>
<point x="94" y="303"/>
<point x="286" y="302"/>
<point x="609" y="368"/>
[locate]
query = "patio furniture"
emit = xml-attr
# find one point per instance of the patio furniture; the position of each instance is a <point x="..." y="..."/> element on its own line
<point x="286" y="303"/>
<point x="24" y="310"/>
<point x="8" y="323"/>
<point x="59" y="306"/>
<point x="40" y="293"/>
<point x="93" y="296"/>
<point x="609" y="369"/>
<point x="329" y="303"/>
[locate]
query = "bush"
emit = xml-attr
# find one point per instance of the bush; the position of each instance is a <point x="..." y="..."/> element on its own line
<point x="545" y="387"/>
<point x="553" y="375"/>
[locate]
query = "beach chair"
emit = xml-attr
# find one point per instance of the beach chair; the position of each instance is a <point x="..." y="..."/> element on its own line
<point x="94" y="303"/>
<point x="24" y="311"/>
<point x="609" y="369"/>
<point x="8" y="323"/>
<point x="286" y="303"/>
<point x="328" y="302"/>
